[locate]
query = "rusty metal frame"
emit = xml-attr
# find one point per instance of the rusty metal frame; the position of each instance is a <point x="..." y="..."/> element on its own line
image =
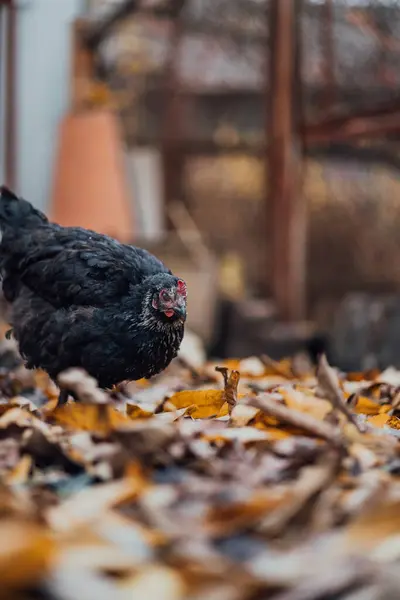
<point x="289" y="138"/>
<point x="380" y="121"/>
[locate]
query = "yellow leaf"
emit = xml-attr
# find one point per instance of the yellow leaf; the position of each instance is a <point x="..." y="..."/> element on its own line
<point x="366" y="406"/>
<point x="274" y="433"/>
<point x="98" y="418"/>
<point x="394" y="422"/>
<point x="370" y="375"/>
<point x="50" y="406"/>
<point x="275" y="429"/>
<point x="142" y="382"/>
<point x="206" y="403"/>
<point x="231" y="363"/>
<point x="311" y="405"/>
<point x="271" y="425"/>
<point x="20" y="472"/>
<point x="135" y="412"/>
<point x="25" y="556"/>
<point x="379" y="420"/>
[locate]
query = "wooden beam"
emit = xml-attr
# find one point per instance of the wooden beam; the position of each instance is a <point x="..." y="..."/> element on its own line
<point x="171" y="127"/>
<point x="328" y="46"/>
<point x="352" y="127"/>
<point x="286" y="210"/>
<point x="82" y="73"/>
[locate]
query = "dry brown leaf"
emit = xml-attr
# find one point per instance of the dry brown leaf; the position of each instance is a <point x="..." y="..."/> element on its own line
<point x="311" y="405"/>
<point x="366" y="406"/>
<point x="96" y="418"/>
<point x="282" y="368"/>
<point x="89" y="504"/>
<point x="312" y="480"/>
<point x="158" y="582"/>
<point x="26" y="554"/>
<point x="379" y="420"/>
<point x="370" y="375"/>
<point x="242" y="414"/>
<point x="376" y="528"/>
<point x="231" y="382"/>
<point x="245" y="435"/>
<point x="19" y="474"/>
<point x="277" y="498"/>
<point x="136" y="412"/>
<point x="228" y="518"/>
<point x="297" y="419"/>
<point x="84" y="386"/>
<point x="394" y="422"/>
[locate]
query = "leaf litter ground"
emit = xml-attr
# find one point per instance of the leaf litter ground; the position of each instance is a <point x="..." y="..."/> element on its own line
<point x="252" y="480"/>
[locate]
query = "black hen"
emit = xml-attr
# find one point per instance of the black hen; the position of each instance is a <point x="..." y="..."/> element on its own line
<point x="82" y="299"/>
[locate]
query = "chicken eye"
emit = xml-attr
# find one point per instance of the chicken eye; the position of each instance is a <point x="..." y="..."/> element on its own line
<point x="164" y="296"/>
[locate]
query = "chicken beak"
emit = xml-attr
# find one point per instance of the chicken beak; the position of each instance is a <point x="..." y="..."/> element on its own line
<point x="180" y="311"/>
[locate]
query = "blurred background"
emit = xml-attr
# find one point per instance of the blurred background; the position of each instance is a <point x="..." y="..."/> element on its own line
<point x="254" y="145"/>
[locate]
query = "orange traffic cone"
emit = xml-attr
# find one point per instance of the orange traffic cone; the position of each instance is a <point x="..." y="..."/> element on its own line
<point x="90" y="188"/>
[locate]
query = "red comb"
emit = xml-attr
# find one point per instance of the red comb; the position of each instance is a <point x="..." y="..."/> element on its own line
<point x="181" y="287"/>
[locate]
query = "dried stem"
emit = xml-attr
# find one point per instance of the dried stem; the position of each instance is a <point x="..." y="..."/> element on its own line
<point x="329" y="388"/>
<point x="297" y="419"/>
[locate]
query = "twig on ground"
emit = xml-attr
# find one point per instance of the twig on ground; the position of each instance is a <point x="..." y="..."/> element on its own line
<point x="328" y="387"/>
<point x="297" y="419"/>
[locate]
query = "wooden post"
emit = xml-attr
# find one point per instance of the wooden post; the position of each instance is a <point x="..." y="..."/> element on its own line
<point x="171" y="133"/>
<point x="10" y="83"/>
<point x="287" y="210"/>
<point x="82" y="68"/>
<point x="328" y="49"/>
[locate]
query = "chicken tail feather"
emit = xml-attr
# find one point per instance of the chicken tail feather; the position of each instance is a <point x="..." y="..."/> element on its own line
<point x="16" y="212"/>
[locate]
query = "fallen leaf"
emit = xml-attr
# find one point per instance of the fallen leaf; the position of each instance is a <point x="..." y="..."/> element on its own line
<point x="297" y="419"/>
<point x="376" y="527"/>
<point x="370" y="375"/>
<point x="136" y="412"/>
<point x="99" y="418"/>
<point x="19" y="474"/>
<point x="84" y="386"/>
<point x="379" y="420"/>
<point x="231" y="382"/>
<point x="366" y="406"/>
<point x="282" y="368"/>
<point x="393" y="422"/>
<point x="127" y="495"/>
<point x="89" y="504"/>
<point x="26" y="554"/>
<point x="156" y="581"/>
<point x="229" y="517"/>
<point x="311" y="405"/>
<point x="245" y="435"/>
<point x="242" y="414"/>
<point x="207" y="403"/>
